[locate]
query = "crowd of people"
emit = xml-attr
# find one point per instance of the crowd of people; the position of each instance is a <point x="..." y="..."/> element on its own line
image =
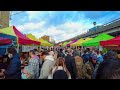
<point x="60" y="63"/>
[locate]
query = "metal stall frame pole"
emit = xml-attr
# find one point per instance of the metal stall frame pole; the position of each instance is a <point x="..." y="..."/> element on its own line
<point x="18" y="48"/>
<point x="40" y="48"/>
<point x="76" y="47"/>
<point x="47" y="47"/>
<point x="17" y="45"/>
<point x="81" y="50"/>
<point x="33" y="46"/>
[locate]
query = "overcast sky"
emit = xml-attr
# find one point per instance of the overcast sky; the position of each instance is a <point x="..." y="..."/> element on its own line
<point x="61" y="25"/>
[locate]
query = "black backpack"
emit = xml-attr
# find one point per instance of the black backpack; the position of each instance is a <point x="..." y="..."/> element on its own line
<point x="60" y="74"/>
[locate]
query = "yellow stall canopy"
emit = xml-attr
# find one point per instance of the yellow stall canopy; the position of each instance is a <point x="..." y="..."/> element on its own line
<point x="43" y="42"/>
<point x="32" y="37"/>
<point x="80" y="41"/>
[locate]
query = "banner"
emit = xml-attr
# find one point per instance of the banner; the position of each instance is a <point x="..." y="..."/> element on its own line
<point x="28" y="48"/>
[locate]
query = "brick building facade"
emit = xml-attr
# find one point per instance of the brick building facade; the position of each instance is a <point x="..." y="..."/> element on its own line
<point x="45" y="37"/>
<point x="4" y="19"/>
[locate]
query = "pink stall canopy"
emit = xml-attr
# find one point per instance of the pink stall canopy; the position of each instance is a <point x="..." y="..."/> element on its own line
<point x="71" y="42"/>
<point x="111" y="42"/>
<point x="22" y="39"/>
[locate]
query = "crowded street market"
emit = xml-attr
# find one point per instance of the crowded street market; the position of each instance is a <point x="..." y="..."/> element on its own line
<point x="24" y="56"/>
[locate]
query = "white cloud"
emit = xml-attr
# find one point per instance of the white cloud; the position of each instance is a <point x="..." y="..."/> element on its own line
<point x="31" y="27"/>
<point x="60" y="33"/>
<point x="60" y="25"/>
<point x="33" y="14"/>
<point x="37" y="14"/>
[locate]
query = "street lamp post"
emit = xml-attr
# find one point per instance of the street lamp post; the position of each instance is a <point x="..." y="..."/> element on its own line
<point x="94" y="23"/>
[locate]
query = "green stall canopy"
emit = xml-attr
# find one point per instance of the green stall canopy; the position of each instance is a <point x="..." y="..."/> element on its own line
<point x="96" y="41"/>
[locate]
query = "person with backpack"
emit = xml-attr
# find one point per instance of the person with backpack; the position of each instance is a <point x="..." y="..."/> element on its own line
<point x="60" y="71"/>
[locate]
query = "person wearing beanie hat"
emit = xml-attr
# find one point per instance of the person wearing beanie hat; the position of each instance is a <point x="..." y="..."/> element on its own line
<point x="90" y="66"/>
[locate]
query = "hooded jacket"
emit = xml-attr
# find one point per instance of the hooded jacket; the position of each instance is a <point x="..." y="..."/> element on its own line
<point x="47" y="66"/>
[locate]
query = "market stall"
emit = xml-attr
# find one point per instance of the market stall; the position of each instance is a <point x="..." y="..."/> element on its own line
<point x="80" y="41"/>
<point x="71" y="42"/>
<point x="45" y="43"/>
<point x="5" y="42"/>
<point x="64" y="44"/>
<point x="6" y="39"/>
<point x="112" y="42"/>
<point x="96" y="41"/>
<point x="21" y="38"/>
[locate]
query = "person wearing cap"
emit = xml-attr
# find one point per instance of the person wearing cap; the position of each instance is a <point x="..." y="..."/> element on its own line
<point x="90" y="66"/>
<point x="70" y="63"/>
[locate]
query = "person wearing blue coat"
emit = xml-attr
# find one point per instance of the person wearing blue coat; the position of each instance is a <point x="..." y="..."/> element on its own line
<point x="13" y="70"/>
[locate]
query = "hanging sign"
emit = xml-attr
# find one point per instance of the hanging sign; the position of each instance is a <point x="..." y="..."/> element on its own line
<point x="28" y="48"/>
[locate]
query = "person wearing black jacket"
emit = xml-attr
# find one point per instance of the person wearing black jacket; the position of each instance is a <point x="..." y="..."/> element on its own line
<point x="70" y="64"/>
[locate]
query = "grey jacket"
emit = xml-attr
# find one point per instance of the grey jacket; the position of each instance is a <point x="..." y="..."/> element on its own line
<point x="47" y="66"/>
